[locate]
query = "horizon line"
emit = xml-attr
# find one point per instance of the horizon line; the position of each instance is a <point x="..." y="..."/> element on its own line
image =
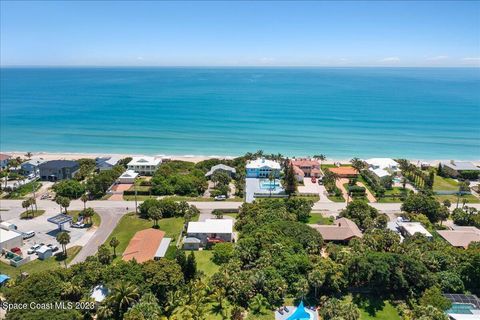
<point x="231" y="66"/>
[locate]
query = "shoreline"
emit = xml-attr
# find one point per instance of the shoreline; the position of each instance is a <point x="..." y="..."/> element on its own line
<point x="191" y="158"/>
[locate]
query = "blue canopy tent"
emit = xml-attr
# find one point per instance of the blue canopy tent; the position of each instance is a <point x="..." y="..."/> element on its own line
<point x="300" y="313"/>
<point x="3" y="279"/>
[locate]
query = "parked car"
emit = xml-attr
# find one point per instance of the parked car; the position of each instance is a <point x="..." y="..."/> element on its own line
<point x="28" y="234"/>
<point x="221" y="197"/>
<point x="53" y="247"/>
<point x="314" y="180"/>
<point x="33" y="248"/>
<point x="16" y="250"/>
<point x="78" y="225"/>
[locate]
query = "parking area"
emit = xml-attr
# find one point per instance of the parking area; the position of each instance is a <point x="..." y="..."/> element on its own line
<point x="46" y="232"/>
<point x="309" y="186"/>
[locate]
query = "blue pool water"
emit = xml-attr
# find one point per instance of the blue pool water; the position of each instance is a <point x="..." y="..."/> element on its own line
<point x="460" y="308"/>
<point x="267" y="185"/>
<point x="426" y="113"/>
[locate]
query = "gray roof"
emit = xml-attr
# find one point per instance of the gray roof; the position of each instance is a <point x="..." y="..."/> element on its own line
<point x="461" y="166"/>
<point x="163" y="247"/>
<point x="34" y="162"/>
<point x="220" y="167"/>
<point x="55" y="164"/>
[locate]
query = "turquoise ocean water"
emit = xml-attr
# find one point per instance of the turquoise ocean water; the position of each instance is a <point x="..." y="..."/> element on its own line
<point x="424" y="113"/>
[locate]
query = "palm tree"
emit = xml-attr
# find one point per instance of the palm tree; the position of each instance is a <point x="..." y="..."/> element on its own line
<point x="114" y="244"/>
<point x="155" y="214"/>
<point x="123" y="296"/>
<point x="272" y="177"/>
<point x="28" y="155"/>
<point x="316" y="278"/>
<point x="63" y="238"/>
<point x="258" y="303"/>
<point x="88" y="214"/>
<point x="84" y="199"/>
<point x="25" y="205"/>
<point x="65" y="203"/>
<point x="33" y="202"/>
<point x="358" y="164"/>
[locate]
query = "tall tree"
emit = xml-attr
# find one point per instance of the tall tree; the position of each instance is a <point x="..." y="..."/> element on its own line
<point x="155" y="214"/>
<point x="84" y="199"/>
<point x="190" y="267"/>
<point x="63" y="238"/>
<point x="290" y="180"/>
<point x="114" y="244"/>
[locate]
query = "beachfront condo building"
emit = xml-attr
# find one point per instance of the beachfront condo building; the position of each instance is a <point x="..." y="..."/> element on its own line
<point x="261" y="168"/>
<point x="144" y="165"/>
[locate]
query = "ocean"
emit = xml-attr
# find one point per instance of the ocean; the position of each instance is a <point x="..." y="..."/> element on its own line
<point x="419" y="113"/>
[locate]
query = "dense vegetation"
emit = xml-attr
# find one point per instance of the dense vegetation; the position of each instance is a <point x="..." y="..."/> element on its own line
<point x="180" y="178"/>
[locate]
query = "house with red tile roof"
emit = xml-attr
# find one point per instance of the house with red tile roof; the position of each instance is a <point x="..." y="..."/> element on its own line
<point x="306" y="168"/>
<point x="145" y="245"/>
<point x="345" y="172"/>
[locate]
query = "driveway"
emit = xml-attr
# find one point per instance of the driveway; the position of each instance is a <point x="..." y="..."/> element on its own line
<point x="310" y="187"/>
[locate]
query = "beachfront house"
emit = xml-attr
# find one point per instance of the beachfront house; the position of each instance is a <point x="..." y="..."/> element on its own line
<point x="342" y="231"/>
<point x="4" y="158"/>
<point x="460" y="237"/>
<point x="221" y="167"/>
<point x="210" y="231"/>
<point x="144" y="165"/>
<point x="32" y="166"/>
<point x="309" y="167"/>
<point x="344" y="171"/>
<point x="58" y="170"/>
<point x="456" y="169"/>
<point x="382" y="167"/>
<point x="261" y="168"/>
<point x="106" y="163"/>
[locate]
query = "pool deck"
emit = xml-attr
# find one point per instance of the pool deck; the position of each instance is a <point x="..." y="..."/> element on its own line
<point x="253" y="186"/>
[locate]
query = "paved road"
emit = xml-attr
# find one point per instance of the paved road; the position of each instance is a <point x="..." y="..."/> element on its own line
<point x="112" y="211"/>
<point x="110" y="218"/>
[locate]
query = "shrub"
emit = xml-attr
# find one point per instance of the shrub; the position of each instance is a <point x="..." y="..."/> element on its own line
<point x="222" y="252"/>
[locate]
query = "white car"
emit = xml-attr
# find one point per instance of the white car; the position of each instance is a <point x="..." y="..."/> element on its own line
<point x="78" y="225"/>
<point x="221" y="197"/>
<point x="28" y="234"/>
<point x="33" y="249"/>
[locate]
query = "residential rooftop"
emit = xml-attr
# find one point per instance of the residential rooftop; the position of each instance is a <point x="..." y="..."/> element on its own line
<point x="211" y="226"/>
<point x="144" y="245"/>
<point x="342" y="229"/>
<point x="145" y="161"/>
<point x="461" y="166"/>
<point x="261" y="163"/>
<point x="460" y="236"/>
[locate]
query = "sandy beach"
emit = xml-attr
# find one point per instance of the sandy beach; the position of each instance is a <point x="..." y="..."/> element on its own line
<point x="190" y="158"/>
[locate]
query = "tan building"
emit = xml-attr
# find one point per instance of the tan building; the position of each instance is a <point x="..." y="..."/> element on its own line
<point x="310" y="168"/>
<point x="343" y="230"/>
<point x="460" y="237"/>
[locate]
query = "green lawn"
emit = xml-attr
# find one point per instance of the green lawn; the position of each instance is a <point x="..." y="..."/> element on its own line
<point x="180" y="198"/>
<point x="394" y="194"/>
<point x="388" y="312"/>
<point x="318" y="218"/>
<point x="446" y="184"/>
<point x="23" y="190"/>
<point x="336" y="199"/>
<point x="74" y="214"/>
<point x="28" y="214"/>
<point x="453" y="199"/>
<point x="372" y="308"/>
<point x="39" y="265"/>
<point x="204" y="262"/>
<point x="130" y="223"/>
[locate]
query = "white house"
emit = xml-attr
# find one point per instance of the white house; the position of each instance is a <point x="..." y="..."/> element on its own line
<point x="210" y="231"/>
<point x="44" y="252"/>
<point x="229" y="170"/>
<point x="10" y="239"/>
<point x="408" y="229"/>
<point x="106" y="163"/>
<point x="382" y="163"/>
<point x="261" y="168"/>
<point x="382" y="167"/>
<point x="31" y="166"/>
<point x="144" y="165"/>
<point x="128" y="177"/>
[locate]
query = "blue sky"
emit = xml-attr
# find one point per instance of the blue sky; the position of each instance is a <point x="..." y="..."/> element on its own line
<point x="343" y="33"/>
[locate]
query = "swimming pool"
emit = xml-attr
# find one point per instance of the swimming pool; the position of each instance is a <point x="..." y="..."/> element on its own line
<point x="461" y="308"/>
<point x="269" y="185"/>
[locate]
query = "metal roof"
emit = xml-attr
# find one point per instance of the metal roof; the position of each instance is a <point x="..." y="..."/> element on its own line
<point x="60" y="219"/>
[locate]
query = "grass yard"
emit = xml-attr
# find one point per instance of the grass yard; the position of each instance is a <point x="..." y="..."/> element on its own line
<point x="446" y="184"/>
<point x="336" y="199"/>
<point x="23" y="190"/>
<point x="28" y="214"/>
<point x="453" y="199"/>
<point x="318" y="218"/>
<point x="315" y="198"/>
<point x="95" y="219"/>
<point x="392" y="196"/>
<point x="39" y="265"/>
<point x="372" y="308"/>
<point x="204" y="262"/>
<point x="131" y="223"/>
